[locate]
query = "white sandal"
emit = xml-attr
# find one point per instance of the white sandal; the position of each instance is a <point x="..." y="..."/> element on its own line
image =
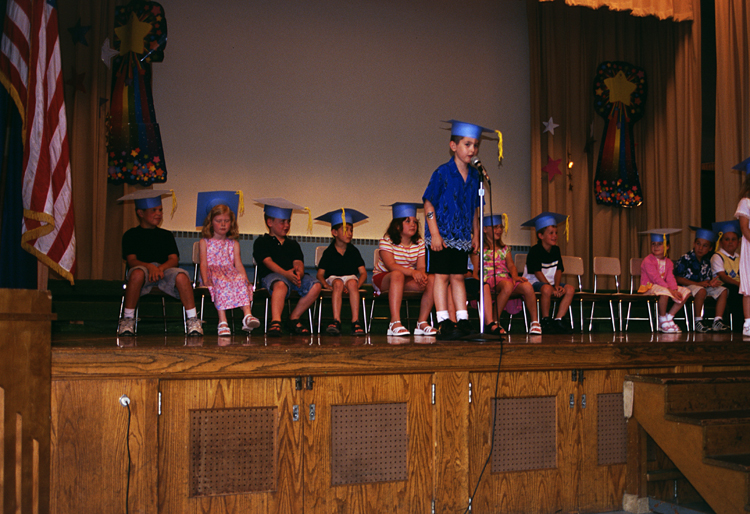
<point x="224" y="329"/>
<point x="398" y="331"/>
<point x="535" y="328"/>
<point x="669" y="327"/>
<point x="424" y="329"/>
<point x="249" y="322"/>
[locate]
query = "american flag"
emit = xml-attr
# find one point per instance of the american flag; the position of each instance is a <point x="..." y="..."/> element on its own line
<point x="31" y="70"/>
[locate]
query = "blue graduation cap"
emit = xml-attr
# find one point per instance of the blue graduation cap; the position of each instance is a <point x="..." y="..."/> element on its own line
<point x="404" y="209"/>
<point x="496" y="219"/>
<point x="342" y="216"/>
<point x="722" y="227"/>
<point x="544" y="220"/>
<point x="207" y="200"/>
<point x="660" y="235"/>
<point x="704" y="233"/>
<point x="148" y="198"/>
<point x="278" y="208"/>
<point x="743" y="166"/>
<point x="463" y="129"/>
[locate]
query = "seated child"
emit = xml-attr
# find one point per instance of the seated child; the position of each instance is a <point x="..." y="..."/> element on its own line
<point x="657" y="278"/>
<point x="693" y="270"/>
<point x="281" y="267"/>
<point x="152" y="257"/>
<point x="402" y="268"/>
<point x="544" y="267"/>
<point x="501" y="279"/>
<point x="222" y="270"/>
<point x="725" y="263"/>
<point x="342" y="269"/>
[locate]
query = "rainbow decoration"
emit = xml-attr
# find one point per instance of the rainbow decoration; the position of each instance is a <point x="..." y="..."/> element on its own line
<point x="619" y="97"/>
<point x="134" y="149"/>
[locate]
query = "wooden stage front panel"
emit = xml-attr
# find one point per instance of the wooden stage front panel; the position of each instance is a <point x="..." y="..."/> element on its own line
<point x="559" y="441"/>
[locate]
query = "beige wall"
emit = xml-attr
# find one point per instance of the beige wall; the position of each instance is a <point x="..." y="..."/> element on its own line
<point x="337" y="103"/>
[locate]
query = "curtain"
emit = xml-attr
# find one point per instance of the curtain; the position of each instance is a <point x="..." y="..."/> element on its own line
<point x="676" y="10"/>
<point x="566" y="45"/>
<point x="732" y="135"/>
<point x="100" y="220"/>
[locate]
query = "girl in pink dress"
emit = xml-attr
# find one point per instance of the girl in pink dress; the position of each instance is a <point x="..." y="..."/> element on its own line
<point x="657" y="278"/>
<point x="222" y="270"/>
<point x="501" y="280"/>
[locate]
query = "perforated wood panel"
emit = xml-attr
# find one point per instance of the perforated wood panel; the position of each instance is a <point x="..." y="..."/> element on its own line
<point x="232" y="451"/>
<point x="611" y="430"/>
<point x="525" y="434"/>
<point x="369" y="443"/>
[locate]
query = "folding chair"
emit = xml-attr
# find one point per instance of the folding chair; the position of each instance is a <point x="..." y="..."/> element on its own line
<point x="327" y="293"/>
<point x="197" y="287"/>
<point x="156" y="292"/>
<point x="635" y="272"/>
<point x="263" y="293"/>
<point x="608" y="267"/>
<point x="405" y="298"/>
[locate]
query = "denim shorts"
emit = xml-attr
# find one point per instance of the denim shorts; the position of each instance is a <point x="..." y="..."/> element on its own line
<point x="306" y="283"/>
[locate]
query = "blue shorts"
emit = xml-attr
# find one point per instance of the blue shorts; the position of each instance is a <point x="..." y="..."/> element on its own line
<point x="168" y="284"/>
<point x="306" y="283"/>
<point x="538" y="286"/>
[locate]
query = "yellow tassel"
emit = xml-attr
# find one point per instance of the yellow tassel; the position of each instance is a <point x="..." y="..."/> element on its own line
<point x="567" y="229"/>
<point x="174" y="202"/>
<point x="499" y="147"/>
<point x="343" y="218"/>
<point x="241" y="208"/>
<point x="721" y="234"/>
<point x="309" y="220"/>
<point x="505" y="224"/>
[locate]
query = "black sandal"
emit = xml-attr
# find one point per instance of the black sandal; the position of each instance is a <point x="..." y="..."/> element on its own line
<point x="334" y="328"/>
<point x="297" y="328"/>
<point x="494" y="329"/>
<point x="274" y="329"/>
<point x="358" y="329"/>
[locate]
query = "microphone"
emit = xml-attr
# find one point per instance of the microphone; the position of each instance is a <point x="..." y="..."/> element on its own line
<point x="478" y="165"/>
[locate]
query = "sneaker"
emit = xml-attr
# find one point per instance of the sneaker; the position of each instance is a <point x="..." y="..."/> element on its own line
<point x="746" y="330"/>
<point x="465" y="327"/>
<point x="126" y="327"/>
<point x="719" y="326"/>
<point x="194" y="327"/>
<point x="548" y="327"/>
<point x="560" y="327"/>
<point x="700" y="326"/>
<point x="448" y="330"/>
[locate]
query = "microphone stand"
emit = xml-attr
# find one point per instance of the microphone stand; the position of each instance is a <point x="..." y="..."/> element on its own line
<point x="481" y="254"/>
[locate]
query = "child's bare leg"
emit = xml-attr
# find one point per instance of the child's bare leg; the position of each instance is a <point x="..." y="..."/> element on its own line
<point x="222" y="315"/>
<point x="458" y="288"/>
<point x="136" y="279"/>
<point x="489" y="311"/>
<point x="721" y="303"/>
<point x="746" y="306"/>
<point x="278" y="297"/>
<point x="440" y="292"/>
<point x="336" y="294"/>
<point x="529" y="298"/>
<point x="425" y="306"/>
<point x="185" y="287"/>
<point x="504" y="289"/>
<point x="663" y="302"/>
<point x="306" y="301"/>
<point x="700" y="297"/>
<point x="352" y="287"/>
<point x="393" y="283"/>
<point x="566" y="300"/>
<point x="545" y="301"/>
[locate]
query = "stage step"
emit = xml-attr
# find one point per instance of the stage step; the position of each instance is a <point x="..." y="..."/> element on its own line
<point x="702" y="422"/>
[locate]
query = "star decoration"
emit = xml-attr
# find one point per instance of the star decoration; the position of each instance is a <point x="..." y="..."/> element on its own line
<point x="552" y="168"/>
<point x="108" y="53"/>
<point x="77" y="82"/>
<point x="550" y="126"/>
<point x="620" y="88"/>
<point x="78" y="33"/>
<point x="132" y="35"/>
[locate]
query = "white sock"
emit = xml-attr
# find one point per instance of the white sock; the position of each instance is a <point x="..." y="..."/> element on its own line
<point x="128" y="313"/>
<point x="191" y="313"/>
<point x="747" y="322"/>
<point x="462" y="315"/>
<point x="717" y="318"/>
<point x="698" y="318"/>
<point x="669" y="317"/>
<point x="442" y="316"/>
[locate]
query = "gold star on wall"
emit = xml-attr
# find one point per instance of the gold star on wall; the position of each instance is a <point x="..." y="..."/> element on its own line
<point x="620" y="88"/>
<point x="131" y="35"/>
